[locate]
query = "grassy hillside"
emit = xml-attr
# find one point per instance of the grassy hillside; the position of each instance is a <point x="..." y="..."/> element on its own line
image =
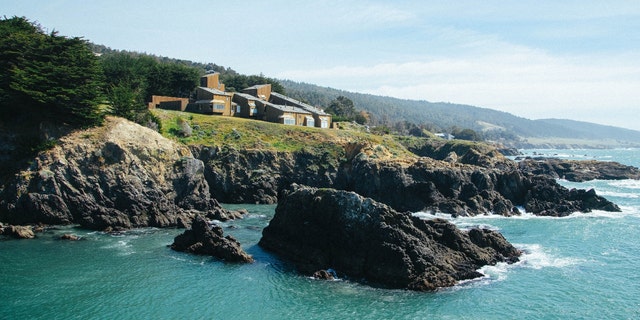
<point x="252" y="134"/>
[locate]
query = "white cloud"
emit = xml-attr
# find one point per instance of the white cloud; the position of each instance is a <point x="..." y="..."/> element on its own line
<point x="519" y="80"/>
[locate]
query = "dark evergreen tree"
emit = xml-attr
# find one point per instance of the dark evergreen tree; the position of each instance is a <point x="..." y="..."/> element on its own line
<point x="57" y="77"/>
<point x="132" y="79"/>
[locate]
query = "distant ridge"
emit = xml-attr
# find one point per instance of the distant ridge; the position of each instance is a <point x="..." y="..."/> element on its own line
<point x="498" y="125"/>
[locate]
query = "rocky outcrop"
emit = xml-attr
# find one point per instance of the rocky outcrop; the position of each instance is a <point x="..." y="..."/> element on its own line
<point x="544" y="197"/>
<point x="70" y="237"/>
<point x="207" y="239"/>
<point x="118" y="176"/>
<point x="463" y="152"/>
<point x="492" y="184"/>
<point x="257" y="176"/>
<point x="18" y="232"/>
<point x="360" y="238"/>
<point x="430" y="185"/>
<point x="578" y="170"/>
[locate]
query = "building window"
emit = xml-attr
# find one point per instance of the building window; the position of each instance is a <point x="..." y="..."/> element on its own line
<point x="238" y="109"/>
<point x="310" y="122"/>
<point x="324" y="123"/>
<point x="289" y="120"/>
<point x="218" y="107"/>
<point x="254" y="111"/>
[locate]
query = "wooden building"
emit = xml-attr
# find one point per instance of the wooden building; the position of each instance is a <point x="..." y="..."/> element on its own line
<point x="261" y="91"/>
<point x="169" y="103"/>
<point x="245" y="106"/>
<point x="211" y="101"/>
<point x="212" y="80"/>
<point x="321" y="118"/>
<point x="285" y="114"/>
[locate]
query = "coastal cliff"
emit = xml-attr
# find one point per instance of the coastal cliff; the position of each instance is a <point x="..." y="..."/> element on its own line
<point x="117" y="176"/>
<point x="490" y="184"/>
<point x="123" y="175"/>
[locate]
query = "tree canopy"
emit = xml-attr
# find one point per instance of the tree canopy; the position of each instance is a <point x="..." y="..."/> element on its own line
<point x="50" y="75"/>
<point x="342" y="109"/>
<point x="131" y="79"/>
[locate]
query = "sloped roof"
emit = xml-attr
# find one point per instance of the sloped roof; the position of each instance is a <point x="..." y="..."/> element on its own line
<point x="245" y="95"/>
<point x="303" y="105"/>
<point x="257" y="86"/>
<point x="285" y="108"/>
<point x="215" y="91"/>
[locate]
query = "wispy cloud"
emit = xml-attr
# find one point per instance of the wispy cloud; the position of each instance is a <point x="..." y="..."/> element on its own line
<point x="520" y="80"/>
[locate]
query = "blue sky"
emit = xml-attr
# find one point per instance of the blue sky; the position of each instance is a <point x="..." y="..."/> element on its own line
<point x="535" y="59"/>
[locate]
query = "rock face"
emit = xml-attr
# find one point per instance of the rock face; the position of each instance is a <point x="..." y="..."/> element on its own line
<point x="209" y="240"/>
<point x="544" y="197"/>
<point x="257" y="176"/>
<point x="486" y="183"/>
<point x="578" y="171"/>
<point x="118" y="176"/>
<point x="360" y="238"/>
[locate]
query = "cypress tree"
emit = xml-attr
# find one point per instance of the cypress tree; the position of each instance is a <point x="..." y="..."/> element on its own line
<point x="55" y="77"/>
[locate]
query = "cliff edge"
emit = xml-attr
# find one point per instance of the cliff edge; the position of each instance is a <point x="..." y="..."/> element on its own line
<point x="120" y="175"/>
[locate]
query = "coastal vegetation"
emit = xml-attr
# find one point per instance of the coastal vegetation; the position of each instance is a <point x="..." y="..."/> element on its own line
<point x="48" y="76"/>
<point x="242" y="134"/>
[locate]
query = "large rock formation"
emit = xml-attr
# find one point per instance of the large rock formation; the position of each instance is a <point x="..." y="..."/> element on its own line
<point x="257" y="176"/>
<point x="544" y="197"/>
<point x="578" y="170"/>
<point x="210" y="240"/>
<point x="360" y="238"/>
<point x="121" y="175"/>
<point x="472" y="183"/>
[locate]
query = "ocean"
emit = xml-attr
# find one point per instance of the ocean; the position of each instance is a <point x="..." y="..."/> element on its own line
<point x="584" y="266"/>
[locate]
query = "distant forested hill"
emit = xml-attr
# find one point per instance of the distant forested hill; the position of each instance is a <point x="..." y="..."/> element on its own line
<point x="495" y="125"/>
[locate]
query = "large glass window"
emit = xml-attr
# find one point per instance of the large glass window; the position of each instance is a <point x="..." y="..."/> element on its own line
<point x="324" y="123"/>
<point x="218" y="107"/>
<point x="289" y="120"/>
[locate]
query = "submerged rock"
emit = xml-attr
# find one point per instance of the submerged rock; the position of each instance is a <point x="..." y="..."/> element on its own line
<point x="70" y="237"/>
<point x="209" y="240"/>
<point x="319" y="229"/>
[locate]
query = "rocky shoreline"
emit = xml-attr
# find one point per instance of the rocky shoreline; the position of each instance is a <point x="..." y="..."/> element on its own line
<point x="122" y="176"/>
<point x="115" y="177"/>
<point x="466" y="185"/>
<point x="577" y="170"/>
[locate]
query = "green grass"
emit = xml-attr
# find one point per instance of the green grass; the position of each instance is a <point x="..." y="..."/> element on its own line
<point x="242" y="133"/>
<point x="249" y="134"/>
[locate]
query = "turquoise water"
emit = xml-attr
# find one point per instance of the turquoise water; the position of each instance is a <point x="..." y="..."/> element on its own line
<point x="581" y="267"/>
